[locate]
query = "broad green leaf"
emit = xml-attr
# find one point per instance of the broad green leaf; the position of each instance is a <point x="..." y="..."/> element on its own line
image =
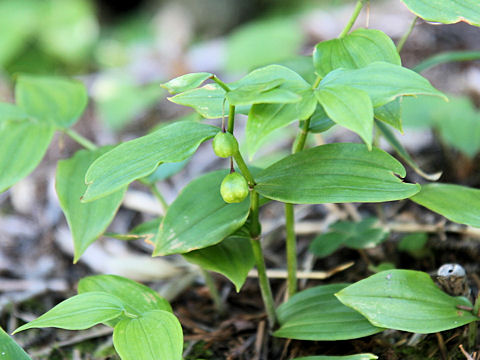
<point x="356" y="235"/>
<point x="22" y="146"/>
<point x="350" y="108"/>
<point x="140" y="157"/>
<point x="186" y="82"/>
<point x="87" y="221"/>
<point x="390" y="113"/>
<point x="10" y="350"/>
<point x="384" y="82"/>
<point x="355" y="50"/>
<point x="457" y="203"/>
<point x="199" y="217"/>
<point x="257" y="94"/>
<point x="208" y="101"/>
<point x="11" y="112"/>
<point x="135" y="297"/>
<point x="446" y="11"/>
<point x="79" y="312"/>
<point x="302" y="65"/>
<point x="347" y="357"/>
<point x="53" y="100"/>
<point x="263" y="119"/>
<point x="333" y="173"/>
<point x="315" y="314"/>
<point x="233" y="258"/>
<point x="263" y="42"/>
<point x="406" y="300"/>
<point x="458" y="122"/>
<point x="155" y="335"/>
<point x="402" y="152"/>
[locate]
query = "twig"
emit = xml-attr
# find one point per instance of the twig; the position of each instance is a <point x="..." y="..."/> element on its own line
<point x="467" y="355"/>
<point x="441" y="346"/>
<point x="314" y="275"/>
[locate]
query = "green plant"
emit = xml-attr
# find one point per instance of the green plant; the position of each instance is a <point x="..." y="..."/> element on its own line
<point x="214" y="221"/>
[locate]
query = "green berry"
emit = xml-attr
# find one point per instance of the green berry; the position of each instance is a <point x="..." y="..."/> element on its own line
<point x="234" y="188"/>
<point x="224" y="144"/>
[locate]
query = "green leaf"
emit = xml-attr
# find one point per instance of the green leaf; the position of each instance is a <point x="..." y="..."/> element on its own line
<point x="136" y="298"/>
<point x="406" y="300"/>
<point x="457" y="203"/>
<point x="186" y="82"/>
<point x="55" y="101"/>
<point x="333" y="173"/>
<point x="384" y="82"/>
<point x="355" y="50"/>
<point x="86" y="221"/>
<point x="267" y="93"/>
<point x="140" y="157"/>
<point x="348" y="107"/>
<point x="22" y="146"/>
<point x="315" y="314"/>
<point x="208" y="101"/>
<point x="445" y="57"/>
<point x="10" y="350"/>
<point x="347" y="357"/>
<point x="199" y="217"/>
<point x="414" y="244"/>
<point x="402" y="152"/>
<point x="263" y="42"/>
<point x="79" y="312"/>
<point x="155" y="335"/>
<point x="265" y="118"/>
<point x="11" y="112"/>
<point x="446" y="11"/>
<point x="390" y="113"/>
<point x="319" y="121"/>
<point x="233" y="258"/>
<point x="355" y="235"/>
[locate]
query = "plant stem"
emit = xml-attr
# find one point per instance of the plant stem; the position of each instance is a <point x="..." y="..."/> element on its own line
<point x="473" y="327"/>
<point x="231" y="119"/>
<point x="217" y="300"/>
<point x="264" y="283"/>
<point x="317" y="82"/>
<point x="291" y="240"/>
<point x="221" y="83"/>
<point x="158" y="195"/>
<point x="87" y="144"/>
<point x="407" y="34"/>
<point x="291" y="243"/>
<point x="354" y="17"/>
<point x="244" y="169"/>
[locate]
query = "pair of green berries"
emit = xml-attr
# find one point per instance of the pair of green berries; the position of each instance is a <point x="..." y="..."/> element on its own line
<point x="234" y="187"/>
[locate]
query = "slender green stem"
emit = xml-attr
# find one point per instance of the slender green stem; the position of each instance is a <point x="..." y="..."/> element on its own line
<point x="158" y="195"/>
<point x="301" y="137"/>
<point x="353" y="18"/>
<point x="473" y="326"/>
<point x="406" y="35"/>
<point x="87" y="144"/>
<point x="317" y="82"/>
<point x="244" y="169"/>
<point x="291" y="250"/>
<point x="217" y="299"/>
<point x="445" y="57"/>
<point x="221" y="83"/>
<point x="255" y="227"/>
<point x="264" y="283"/>
<point x="231" y="119"/>
<point x="291" y="240"/>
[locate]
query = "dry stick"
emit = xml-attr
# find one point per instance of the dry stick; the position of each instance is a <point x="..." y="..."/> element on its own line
<point x="467" y="355"/>
<point x="312" y="275"/>
<point x="441" y="346"/>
